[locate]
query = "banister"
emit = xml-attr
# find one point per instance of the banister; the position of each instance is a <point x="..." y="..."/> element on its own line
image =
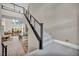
<point x="34" y="19"/>
<point x="40" y="38"/>
<point x="14" y="10"/>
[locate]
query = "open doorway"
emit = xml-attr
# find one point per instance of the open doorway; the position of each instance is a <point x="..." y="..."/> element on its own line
<point x="15" y="36"/>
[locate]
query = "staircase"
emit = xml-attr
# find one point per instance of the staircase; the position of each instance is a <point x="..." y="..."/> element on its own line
<point x="31" y="20"/>
<point x="47" y="45"/>
<point x="47" y="41"/>
<point x="51" y="48"/>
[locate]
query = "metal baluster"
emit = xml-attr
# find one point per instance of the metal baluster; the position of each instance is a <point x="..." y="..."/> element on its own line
<point x="5" y="50"/>
<point x="30" y="18"/>
<point x="2" y="50"/>
<point x="41" y="40"/>
<point x="34" y="23"/>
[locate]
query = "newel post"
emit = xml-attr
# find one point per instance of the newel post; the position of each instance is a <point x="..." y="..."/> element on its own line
<point x="41" y="40"/>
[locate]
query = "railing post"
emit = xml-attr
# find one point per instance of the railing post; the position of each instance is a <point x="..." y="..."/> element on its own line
<point x="5" y="50"/>
<point x="2" y="6"/>
<point x="14" y="8"/>
<point x="24" y="11"/>
<point x="34" y="23"/>
<point x="2" y="50"/>
<point x="30" y="18"/>
<point x="41" y="40"/>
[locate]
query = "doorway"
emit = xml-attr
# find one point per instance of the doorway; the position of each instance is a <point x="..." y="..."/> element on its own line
<point x="15" y="35"/>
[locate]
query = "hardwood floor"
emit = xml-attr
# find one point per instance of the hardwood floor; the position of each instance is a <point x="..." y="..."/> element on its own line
<point x="14" y="47"/>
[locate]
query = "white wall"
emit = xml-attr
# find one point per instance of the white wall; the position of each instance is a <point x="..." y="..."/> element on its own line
<point x="60" y="20"/>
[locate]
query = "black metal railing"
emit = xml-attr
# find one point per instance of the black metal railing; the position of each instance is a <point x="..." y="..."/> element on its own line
<point x="4" y="50"/>
<point x="36" y="26"/>
<point x="13" y="7"/>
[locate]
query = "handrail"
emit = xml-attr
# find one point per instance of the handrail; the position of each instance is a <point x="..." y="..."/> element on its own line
<point x="33" y="28"/>
<point x="39" y="37"/>
<point x="13" y="9"/>
<point x="34" y="19"/>
<point x="9" y="10"/>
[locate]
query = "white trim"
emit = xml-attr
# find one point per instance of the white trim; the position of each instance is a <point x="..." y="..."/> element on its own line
<point x="33" y="52"/>
<point x="67" y="44"/>
<point x="47" y="43"/>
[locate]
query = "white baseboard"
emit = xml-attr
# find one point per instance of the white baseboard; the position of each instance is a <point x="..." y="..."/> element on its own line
<point x="74" y="46"/>
<point x="68" y="44"/>
<point x="47" y="43"/>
